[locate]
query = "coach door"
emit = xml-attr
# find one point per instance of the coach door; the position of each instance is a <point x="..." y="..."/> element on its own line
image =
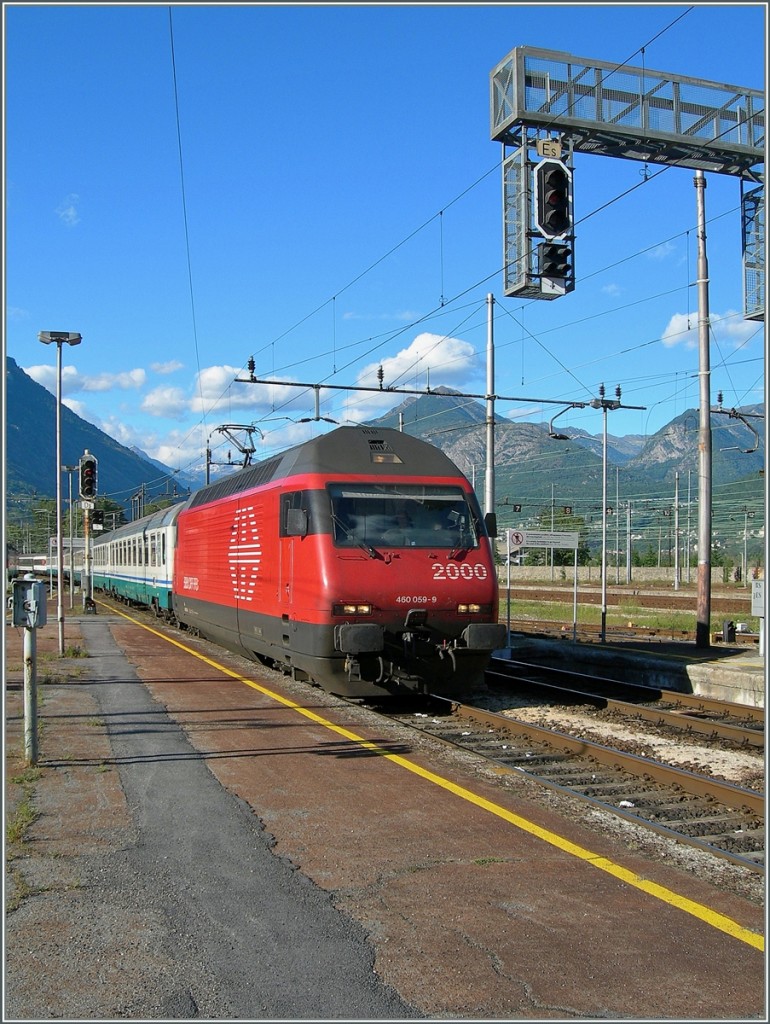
<point x="294" y="526"/>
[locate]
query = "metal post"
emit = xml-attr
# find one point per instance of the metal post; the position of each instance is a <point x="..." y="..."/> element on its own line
<point x="604" y="524"/>
<point x="552" y="526"/>
<point x="617" y="524"/>
<point x="489" y="484"/>
<point x="30" y="695"/>
<point x="72" y="542"/>
<point x="687" y="547"/>
<point x="86" y="577"/>
<point x="59" y="542"/>
<point x="676" y="531"/>
<point x="508" y="552"/>
<point x="59" y="338"/>
<point x="703" y="624"/>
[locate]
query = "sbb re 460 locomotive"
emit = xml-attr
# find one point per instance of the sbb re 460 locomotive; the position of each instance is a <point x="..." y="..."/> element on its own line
<point x="358" y="560"/>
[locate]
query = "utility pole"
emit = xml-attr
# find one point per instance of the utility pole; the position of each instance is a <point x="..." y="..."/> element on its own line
<point x="676" y="531"/>
<point x="703" y="624"/>
<point x="489" y="483"/>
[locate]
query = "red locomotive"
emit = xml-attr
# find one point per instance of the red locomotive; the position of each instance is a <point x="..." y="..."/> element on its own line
<point x="359" y="560"/>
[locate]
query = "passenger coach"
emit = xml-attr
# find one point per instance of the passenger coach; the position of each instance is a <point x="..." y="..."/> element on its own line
<point x="135" y="563"/>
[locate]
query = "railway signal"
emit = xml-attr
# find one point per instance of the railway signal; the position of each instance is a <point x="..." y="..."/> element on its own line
<point x="555" y="268"/>
<point x="87" y="476"/>
<point x="553" y="199"/>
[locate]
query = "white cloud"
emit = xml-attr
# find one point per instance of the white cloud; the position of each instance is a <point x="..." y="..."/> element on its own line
<point x="611" y="289"/>
<point x="73" y="382"/>
<point x="729" y="328"/>
<point x="129" y="380"/>
<point x="165" y="368"/>
<point x="167" y="403"/>
<point x="662" y="252"/>
<point x="431" y="359"/>
<point x="67" y="210"/>
<point x="79" y="408"/>
<point x="682" y="329"/>
<point x="404" y="316"/>
<point x="216" y="388"/>
<point x="444" y="360"/>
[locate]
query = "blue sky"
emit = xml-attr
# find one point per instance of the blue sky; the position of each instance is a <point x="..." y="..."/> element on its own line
<point x="321" y="192"/>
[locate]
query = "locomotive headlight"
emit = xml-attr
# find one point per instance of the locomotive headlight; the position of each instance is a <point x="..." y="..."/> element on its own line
<point x="351" y="609"/>
<point x="469" y="609"/>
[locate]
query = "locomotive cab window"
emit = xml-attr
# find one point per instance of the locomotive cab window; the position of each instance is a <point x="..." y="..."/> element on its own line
<point x="402" y="515"/>
<point x="302" y="513"/>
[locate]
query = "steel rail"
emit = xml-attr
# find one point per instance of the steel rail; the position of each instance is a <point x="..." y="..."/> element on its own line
<point x="683" y="720"/>
<point x="724" y="793"/>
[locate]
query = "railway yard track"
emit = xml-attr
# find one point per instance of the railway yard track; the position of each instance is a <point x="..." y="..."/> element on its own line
<point x="725" y="604"/>
<point x="607" y="752"/>
<point x="591" y="632"/>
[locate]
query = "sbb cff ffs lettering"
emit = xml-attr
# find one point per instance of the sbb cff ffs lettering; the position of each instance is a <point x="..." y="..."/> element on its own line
<point x="87" y="476"/>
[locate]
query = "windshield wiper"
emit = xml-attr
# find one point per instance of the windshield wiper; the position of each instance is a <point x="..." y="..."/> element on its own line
<point x="350" y="534"/>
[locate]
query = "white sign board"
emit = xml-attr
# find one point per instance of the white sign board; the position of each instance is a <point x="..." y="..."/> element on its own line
<point x="544" y="539"/>
<point x="758" y="598"/>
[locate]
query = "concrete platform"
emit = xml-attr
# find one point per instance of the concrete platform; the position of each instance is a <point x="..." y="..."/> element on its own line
<point x="172" y="774"/>
<point x="728" y="673"/>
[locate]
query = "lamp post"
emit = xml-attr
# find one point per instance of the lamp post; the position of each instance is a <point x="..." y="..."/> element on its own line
<point x="59" y="338"/>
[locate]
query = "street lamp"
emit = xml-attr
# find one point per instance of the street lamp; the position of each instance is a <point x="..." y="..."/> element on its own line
<point x="59" y="338"/>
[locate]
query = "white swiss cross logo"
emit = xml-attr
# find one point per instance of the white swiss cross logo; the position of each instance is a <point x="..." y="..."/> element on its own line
<point x="244" y="554"/>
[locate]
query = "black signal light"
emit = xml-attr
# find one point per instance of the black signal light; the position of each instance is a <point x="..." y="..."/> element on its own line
<point x="554" y="260"/>
<point x="553" y="198"/>
<point x="87" y="476"/>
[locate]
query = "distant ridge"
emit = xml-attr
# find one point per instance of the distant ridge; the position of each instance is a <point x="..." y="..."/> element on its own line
<point x="30" y="456"/>
<point x="528" y="463"/>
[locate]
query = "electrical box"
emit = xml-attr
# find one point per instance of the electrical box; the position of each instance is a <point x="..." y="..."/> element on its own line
<point x="29" y="603"/>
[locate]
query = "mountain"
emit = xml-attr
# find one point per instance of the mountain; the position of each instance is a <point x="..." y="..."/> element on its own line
<point x="530" y="466"/>
<point x="183" y="481"/>
<point x="30" y="456"/>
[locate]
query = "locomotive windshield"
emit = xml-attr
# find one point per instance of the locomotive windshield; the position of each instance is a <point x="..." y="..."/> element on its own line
<point x="402" y="515"/>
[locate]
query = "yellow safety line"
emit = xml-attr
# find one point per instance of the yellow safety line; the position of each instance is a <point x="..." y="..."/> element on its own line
<point x="660" y="892"/>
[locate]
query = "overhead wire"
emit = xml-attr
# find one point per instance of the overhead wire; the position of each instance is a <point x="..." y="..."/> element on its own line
<point x="388" y="337"/>
<point x="184" y="210"/>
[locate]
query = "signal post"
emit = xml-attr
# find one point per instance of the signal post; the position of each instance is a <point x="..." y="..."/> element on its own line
<point x="87" y="481"/>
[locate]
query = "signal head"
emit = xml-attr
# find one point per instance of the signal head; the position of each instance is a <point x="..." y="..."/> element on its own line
<point x="87" y="476"/>
<point x="553" y="198"/>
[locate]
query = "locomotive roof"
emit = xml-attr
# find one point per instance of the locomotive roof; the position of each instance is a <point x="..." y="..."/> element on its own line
<point x="354" y="450"/>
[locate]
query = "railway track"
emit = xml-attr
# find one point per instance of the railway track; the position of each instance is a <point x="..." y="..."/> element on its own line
<point x="698" y="810"/>
<point x="591" y="633"/>
<point x="731" y="602"/>
<point x="738" y="724"/>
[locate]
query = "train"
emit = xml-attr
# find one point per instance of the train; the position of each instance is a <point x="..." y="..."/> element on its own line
<point x="359" y="561"/>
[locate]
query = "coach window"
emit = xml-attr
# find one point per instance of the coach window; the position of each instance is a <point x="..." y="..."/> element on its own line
<point x="163" y="549"/>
